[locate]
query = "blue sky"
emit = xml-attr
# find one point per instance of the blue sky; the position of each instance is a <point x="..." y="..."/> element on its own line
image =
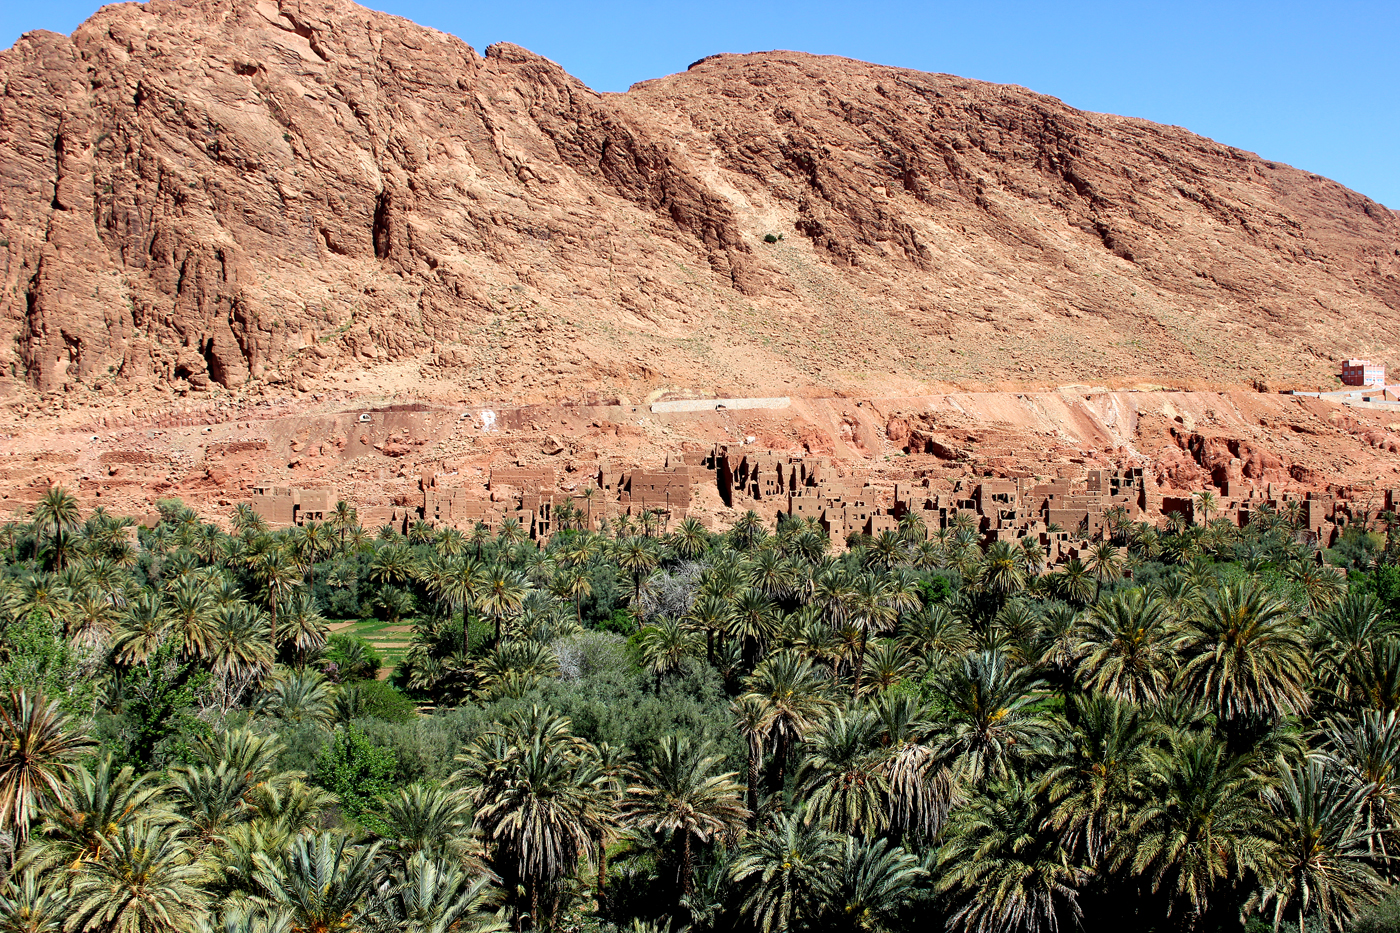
<point x="1316" y="85"/>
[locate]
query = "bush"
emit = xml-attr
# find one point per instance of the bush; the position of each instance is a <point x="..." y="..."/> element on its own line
<point x="620" y="622"/>
<point x="1356" y="548"/>
<point x="1383" y="917"/>
<point x="37" y="657"/>
<point x="344" y="604"/>
<point x="770" y="238"/>
<point x="378" y="700"/>
<point x="359" y="772"/>
<point x="606" y="597"/>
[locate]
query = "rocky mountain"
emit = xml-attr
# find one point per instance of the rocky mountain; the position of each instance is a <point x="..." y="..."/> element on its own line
<point x="209" y="193"/>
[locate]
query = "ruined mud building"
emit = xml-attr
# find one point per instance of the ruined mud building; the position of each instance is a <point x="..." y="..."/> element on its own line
<point x="1064" y="515"/>
<point x="530" y="495"/>
<point x="285" y="506"/>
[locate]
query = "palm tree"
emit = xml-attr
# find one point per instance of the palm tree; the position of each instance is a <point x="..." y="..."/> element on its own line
<point x="874" y="884"/>
<point x="589" y="493"/>
<point x="1322" y="585"/>
<point x="1368" y="752"/>
<point x="511" y="533"/>
<point x="888" y="550"/>
<point x="1100" y="778"/>
<point x="784" y="871"/>
<point x="430" y="895"/>
<point x="841" y="779"/>
<point x="298" y="696"/>
<point x="342" y="518"/>
<point x="574" y="584"/>
<point x="1003" y="571"/>
<point x="38" y="754"/>
<point x="682" y="792"/>
<point x="990" y="720"/>
<point x="1322" y="859"/>
<point x="748" y="530"/>
<point x="190" y="615"/>
<point x="1246" y="655"/>
<point x="245" y="519"/>
<point x="143" y="629"/>
<point x="666" y="645"/>
<point x="427" y="819"/>
<point x="934" y="634"/>
<point x="753" y="721"/>
<point x="872" y="608"/>
<point x="920" y="789"/>
<point x="393" y="565"/>
<point x="1002" y="872"/>
<point x="1205" y="501"/>
<point x="1346" y="631"/>
<point x="56" y="511"/>
<point x="1031" y="556"/>
<point x="539" y="809"/>
<point x="99" y="803"/>
<point x="63" y="546"/>
<point x="1105" y="563"/>
<point x="1115" y="519"/>
<point x="210" y="799"/>
<point x="305" y="628"/>
<point x="636" y="556"/>
<point x="752" y="621"/>
<point x="690" y="540"/>
<point x="1073" y="582"/>
<point x="91" y="621"/>
<point x="790" y="690"/>
<point x="772" y="575"/>
<point x="502" y="594"/>
<point x="34" y="903"/>
<point x="1126" y="646"/>
<point x="276" y="575"/>
<point x="146" y="881"/>
<point x="480" y="537"/>
<point x="246" y="919"/>
<point x="320" y="880"/>
<point x="239" y="650"/>
<point x="1201" y="825"/>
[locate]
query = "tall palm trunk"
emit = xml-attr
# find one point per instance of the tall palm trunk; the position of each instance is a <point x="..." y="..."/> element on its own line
<point x="755" y="761"/>
<point x="602" y="870"/>
<point x="687" y="884"/>
<point x="860" y="663"/>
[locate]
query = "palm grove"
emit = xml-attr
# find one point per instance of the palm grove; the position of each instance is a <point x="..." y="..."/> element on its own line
<point x="650" y="729"/>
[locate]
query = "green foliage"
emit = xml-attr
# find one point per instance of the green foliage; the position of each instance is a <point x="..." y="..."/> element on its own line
<point x="738" y="731"/>
<point x="359" y="773"/>
<point x="378" y="700"/>
<point x="1383" y="583"/>
<point x="157" y="721"/>
<point x="34" y="655"/>
<point x="1383" y="917"/>
<point x="621" y="622"/>
<point x="1356" y="548"/>
<point x="935" y="589"/>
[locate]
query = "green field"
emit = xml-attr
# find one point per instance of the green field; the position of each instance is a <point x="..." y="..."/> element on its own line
<point x="391" y="640"/>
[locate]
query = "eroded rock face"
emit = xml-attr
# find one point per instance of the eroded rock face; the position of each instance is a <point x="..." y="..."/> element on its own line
<point x="215" y="191"/>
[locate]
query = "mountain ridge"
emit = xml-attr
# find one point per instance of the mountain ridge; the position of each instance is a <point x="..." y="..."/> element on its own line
<point x="222" y="195"/>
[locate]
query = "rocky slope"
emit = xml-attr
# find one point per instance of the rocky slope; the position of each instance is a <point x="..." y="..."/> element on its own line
<point x="226" y="194"/>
